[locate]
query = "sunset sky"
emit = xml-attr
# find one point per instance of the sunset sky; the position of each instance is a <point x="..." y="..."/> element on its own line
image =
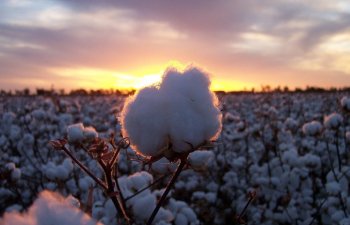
<point x="128" y="44"/>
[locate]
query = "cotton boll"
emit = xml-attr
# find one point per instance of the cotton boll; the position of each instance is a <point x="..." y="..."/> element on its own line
<point x="10" y="166"/>
<point x="139" y="180"/>
<point x="347" y="136"/>
<point x="85" y="183"/>
<point x="199" y="160"/>
<point x="49" y="208"/>
<point x="75" y="133"/>
<point x="90" y="133"/>
<point x="179" y="114"/>
<point x="8" y="118"/>
<point x="181" y="219"/>
<point x="311" y="161"/>
<point x="333" y="187"/>
<point x="68" y="165"/>
<point x="291" y="124"/>
<point x="16" y="174"/>
<point x="312" y="128"/>
<point x="144" y="123"/>
<point x="164" y="215"/>
<point x="345" y="103"/>
<point x="144" y="206"/>
<point x="15" y="133"/>
<point x="163" y="166"/>
<point x="333" y="121"/>
<point x="39" y="114"/>
<point x="97" y="210"/>
<point x="28" y="140"/>
<point x="109" y="209"/>
<point x="195" y="117"/>
<point x="189" y="213"/>
<point x="291" y="157"/>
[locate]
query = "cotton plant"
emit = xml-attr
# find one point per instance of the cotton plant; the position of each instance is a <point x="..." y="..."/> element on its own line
<point x="50" y="208"/>
<point x="173" y="119"/>
<point x="165" y="123"/>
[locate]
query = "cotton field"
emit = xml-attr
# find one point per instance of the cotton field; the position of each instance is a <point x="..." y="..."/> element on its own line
<point x="286" y="154"/>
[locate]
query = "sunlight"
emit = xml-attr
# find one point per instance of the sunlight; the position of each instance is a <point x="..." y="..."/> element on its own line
<point x="96" y="78"/>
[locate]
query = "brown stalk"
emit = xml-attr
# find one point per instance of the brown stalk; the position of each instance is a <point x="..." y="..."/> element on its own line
<point x="183" y="162"/>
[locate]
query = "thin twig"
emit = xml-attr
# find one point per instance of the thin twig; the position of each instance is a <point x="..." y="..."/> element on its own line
<point x="121" y="196"/>
<point x="84" y="168"/>
<point x="110" y="190"/>
<point x="251" y="198"/>
<point x="182" y="164"/>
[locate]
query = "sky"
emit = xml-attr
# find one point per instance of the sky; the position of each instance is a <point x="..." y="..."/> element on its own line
<point x="242" y="44"/>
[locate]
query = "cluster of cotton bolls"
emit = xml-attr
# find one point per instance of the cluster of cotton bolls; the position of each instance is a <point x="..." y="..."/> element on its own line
<point x="292" y="149"/>
<point x="285" y="155"/>
<point x="181" y="112"/>
<point x="30" y="165"/>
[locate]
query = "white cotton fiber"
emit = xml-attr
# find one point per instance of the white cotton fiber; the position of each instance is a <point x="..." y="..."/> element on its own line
<point x="49" y="208"/>
<point x="312" y="128"/>
<point x="144" y="206"/>
<point x="90" y="133"/>
<point x="347" y="136"/>
<point x="345" y="103"/>
<point x="75" y="133"/>
<point x="199" y="160"/>
<point x="180" y="112"/>
<point x="333" y="121"/>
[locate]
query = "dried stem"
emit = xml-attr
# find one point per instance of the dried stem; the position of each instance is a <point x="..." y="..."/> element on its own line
<point x="251" y="198"/>
<point x="109" y="187"/>
<point x="183" y="162"/>
<point x="84" y="168"/>
<point x="111" y="192"/>
<point x="121" y="197"/>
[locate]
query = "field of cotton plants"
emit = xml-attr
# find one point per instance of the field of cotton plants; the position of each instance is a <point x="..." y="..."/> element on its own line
<point x="286" y="154"/>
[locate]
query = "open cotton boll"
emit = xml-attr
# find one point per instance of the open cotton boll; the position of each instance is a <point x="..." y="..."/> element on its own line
<point x="163" y="166"/>
<point x="139" y="180"/>
<point x="49" y="208"/>
<point x="345" y="103"/>
<point x="144" y="123"/>
<point x="312" y="128"/>
<point x="16" y="174"/>
<point x="333" y="121"/>
<point x="180" y="113"/>
<point x="333" y="188"/>
<point x="199" y="160"/>
<point x="90" y="133"/>
<point x="75" y="133"/>
<point x="347" y="136"/>
<point x="144" y="206"/>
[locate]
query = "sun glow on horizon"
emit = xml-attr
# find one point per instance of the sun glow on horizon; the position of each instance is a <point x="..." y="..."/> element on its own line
<point x="97" y="78"/>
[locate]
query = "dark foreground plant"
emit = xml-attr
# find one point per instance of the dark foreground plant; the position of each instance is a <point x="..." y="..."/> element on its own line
<point x="106" y="153"/>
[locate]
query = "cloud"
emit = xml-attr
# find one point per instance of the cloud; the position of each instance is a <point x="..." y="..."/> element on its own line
<point x="226" y="37"/>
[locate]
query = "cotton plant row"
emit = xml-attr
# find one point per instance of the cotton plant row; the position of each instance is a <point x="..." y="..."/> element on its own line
<point x="292" y="150"/>
<point x="299" y="163"/>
